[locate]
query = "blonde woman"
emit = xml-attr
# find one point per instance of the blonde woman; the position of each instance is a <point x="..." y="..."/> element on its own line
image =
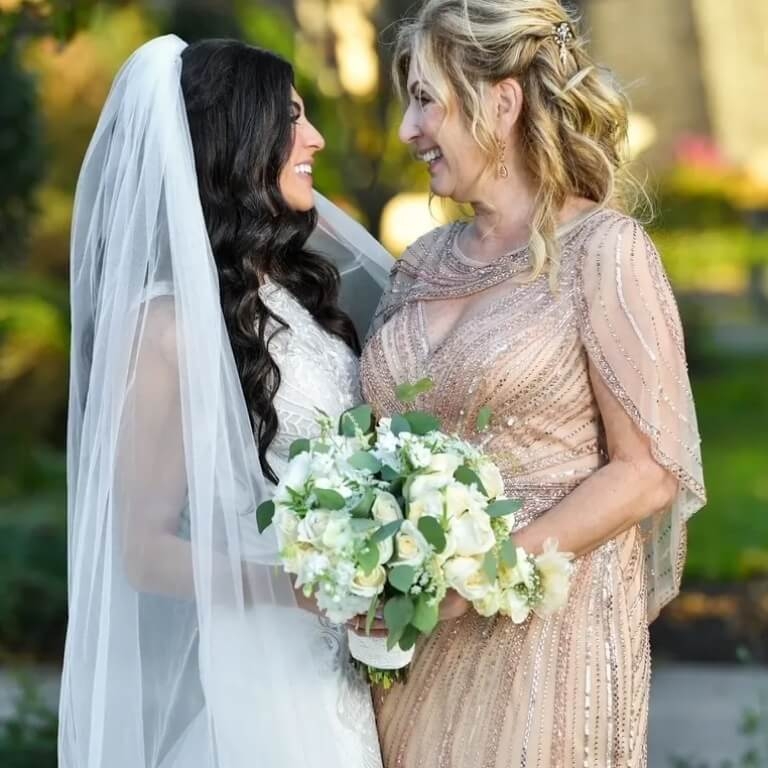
<point x="551" y="307"/>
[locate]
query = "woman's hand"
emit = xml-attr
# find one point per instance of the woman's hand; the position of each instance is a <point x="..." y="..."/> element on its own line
<point x="378" y="628"/>
<point x="453" y="606"/>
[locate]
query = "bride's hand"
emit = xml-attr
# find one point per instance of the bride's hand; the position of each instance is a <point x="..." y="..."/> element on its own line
<point x="453" y="606"/>
<point x="357" y="625"/>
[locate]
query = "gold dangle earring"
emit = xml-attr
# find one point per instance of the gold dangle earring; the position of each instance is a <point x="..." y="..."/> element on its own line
<point x="501" y="168"/>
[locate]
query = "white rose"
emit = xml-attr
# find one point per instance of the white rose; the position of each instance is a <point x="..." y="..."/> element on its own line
<point x="457" y="499"/>
<point x="429" y="504"/>
<point x="428" y="481"/>
<point x="312" y="527"/>
<point x="338" y="533"/>
<point x="370" y="584"/>
<point x="472" y="534"/>
<point x="445" y="463"/>
<point x="467" y="577"/>
<point x="286" y="525"/>
<point x="514" y="605"/>
<point x="412" y="547"/>
<point x="555" y="569"/>
<point x="490" y="477"/>
<point x="385" y="508"/>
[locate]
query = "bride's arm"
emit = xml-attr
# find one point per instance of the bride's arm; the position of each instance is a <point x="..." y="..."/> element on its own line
<point x="150" y="481"/>
<point x="629" y="488"/>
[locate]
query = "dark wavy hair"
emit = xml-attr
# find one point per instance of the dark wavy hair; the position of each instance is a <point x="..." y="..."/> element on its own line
<point x="238" y="101"/>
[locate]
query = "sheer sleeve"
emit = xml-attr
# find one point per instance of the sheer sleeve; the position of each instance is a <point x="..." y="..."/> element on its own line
<point x="632" y="333"/>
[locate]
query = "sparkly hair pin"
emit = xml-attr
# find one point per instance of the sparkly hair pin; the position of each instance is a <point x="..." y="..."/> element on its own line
<point x="563" y="35"/>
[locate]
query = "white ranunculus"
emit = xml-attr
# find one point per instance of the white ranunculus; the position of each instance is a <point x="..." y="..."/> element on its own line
<point x="338" y="533"/>
<point x="412" y="547"/>
<point x="490" y="477"/>
<point x="467" y="577"/>
<point x="514" y="605"/>
<point x="385" y="508"/>
<point x="555" y="569"/>
<point x="429" y="504"/>
<point x="312" y="527"/>
<point x="370" y="584"/>
<point x="472" y="534"/>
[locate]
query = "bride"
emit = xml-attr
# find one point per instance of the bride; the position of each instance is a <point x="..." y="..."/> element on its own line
<point x="206" y="334"/>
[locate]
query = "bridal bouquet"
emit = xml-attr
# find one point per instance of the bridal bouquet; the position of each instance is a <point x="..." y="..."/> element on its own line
<point x="388" y="516"/>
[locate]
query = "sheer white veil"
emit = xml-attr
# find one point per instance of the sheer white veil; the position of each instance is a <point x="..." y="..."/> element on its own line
<point x="165" y="564"/>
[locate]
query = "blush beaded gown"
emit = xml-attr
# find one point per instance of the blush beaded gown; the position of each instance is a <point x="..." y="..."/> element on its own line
<point x="571" y="689"/>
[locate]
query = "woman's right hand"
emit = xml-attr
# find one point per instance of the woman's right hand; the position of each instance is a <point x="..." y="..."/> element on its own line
<point x="453" y="606"/>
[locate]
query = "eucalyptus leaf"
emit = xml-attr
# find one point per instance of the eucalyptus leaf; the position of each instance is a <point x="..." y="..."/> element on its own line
<point x="363" y="507"/>
<point x="401" y="577"/>
<point x="388" y="474"/>
<point x="398" y="612"/>
<point x="467" y="476"/>
<point x="503" y="507"/>
<point x="399" y="424"/>
<point x="368" y="558"/>
<point x="422" y="423"/>
<point x="409" y="637"/>
<point x="362" y="524"/>
<point x="484" y="416"/>
<point x="433" y="532"/>
<point x="407" y="393"/>
<point x="508" y="553"/>
<point x="386" y="531"/>
<point x="426" y="616"/>
<point x="365" y="461"/>
<point x="298" y="447"/>
<point x="329" y="499"/>
<point x="490" y="565"/>
<point x="360" y="418"/>
<point x="264" y="514"/>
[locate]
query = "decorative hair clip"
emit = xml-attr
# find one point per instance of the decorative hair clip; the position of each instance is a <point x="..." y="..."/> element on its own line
<point x="563" y="35"/>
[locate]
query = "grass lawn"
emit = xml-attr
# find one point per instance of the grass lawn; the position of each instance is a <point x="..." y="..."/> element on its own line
<point x="728" y="539"/>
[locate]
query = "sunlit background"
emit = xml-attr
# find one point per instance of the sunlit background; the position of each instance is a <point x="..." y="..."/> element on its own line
<point x="697" y="75"/>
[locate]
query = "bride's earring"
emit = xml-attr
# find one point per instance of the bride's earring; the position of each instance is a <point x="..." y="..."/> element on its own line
<point x="501" y="168"/>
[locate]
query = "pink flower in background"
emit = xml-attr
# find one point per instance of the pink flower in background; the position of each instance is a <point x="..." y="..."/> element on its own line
<point x="700" y="151"/>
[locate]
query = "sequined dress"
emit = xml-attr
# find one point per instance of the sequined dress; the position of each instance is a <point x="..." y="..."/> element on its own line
<point x="571" y="689"/>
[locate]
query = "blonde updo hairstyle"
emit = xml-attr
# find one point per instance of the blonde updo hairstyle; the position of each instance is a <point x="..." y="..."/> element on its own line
<point x="573" y="124"/>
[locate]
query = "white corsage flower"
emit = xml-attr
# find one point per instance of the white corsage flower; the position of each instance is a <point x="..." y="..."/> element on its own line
<point x="555" y="569"/>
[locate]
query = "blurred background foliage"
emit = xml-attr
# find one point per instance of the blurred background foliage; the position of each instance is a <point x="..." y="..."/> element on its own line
<point x="57" y="60"/>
